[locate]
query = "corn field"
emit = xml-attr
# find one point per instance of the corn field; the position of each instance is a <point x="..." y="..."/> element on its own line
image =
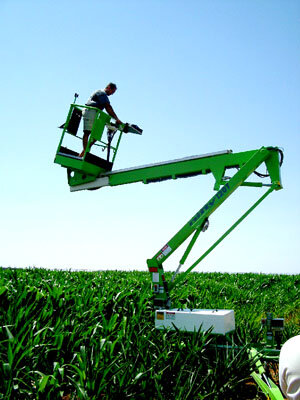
<point x="90" y="335"/>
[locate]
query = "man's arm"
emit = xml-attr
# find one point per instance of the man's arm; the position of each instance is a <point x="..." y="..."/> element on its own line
<point x="111" y="112"/>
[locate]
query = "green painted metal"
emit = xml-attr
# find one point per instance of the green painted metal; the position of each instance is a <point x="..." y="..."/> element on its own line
<point x="215" y="164"/>
<point x="265" y="383"/>
<point x="185" y="168"/>
<point x="183" y="275"/>
<point x="72" y="106"/>
<point x="100" y="122"/>
<point x="116" y="148"/>
<point x="83" y="170"/>
<point x="248" y="162"/>
<point x="190" y="246"/>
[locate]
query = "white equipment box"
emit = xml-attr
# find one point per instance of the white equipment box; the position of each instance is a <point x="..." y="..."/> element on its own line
<point x="222" y="321"/>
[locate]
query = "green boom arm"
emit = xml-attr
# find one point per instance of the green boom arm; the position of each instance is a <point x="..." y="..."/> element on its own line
<point x="246" y="164"/>
<point x="250" y="162"/>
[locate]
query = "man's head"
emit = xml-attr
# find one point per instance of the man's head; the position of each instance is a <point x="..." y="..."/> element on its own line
<point x="110" y="88"/>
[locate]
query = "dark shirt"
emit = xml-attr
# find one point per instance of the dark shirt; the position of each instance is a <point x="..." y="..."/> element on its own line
<point x="98" y="99"/>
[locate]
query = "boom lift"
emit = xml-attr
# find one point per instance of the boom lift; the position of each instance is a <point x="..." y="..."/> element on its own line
<point x="92" y="172"/>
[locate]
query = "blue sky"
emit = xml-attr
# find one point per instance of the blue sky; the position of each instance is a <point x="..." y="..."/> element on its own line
<point x="198" y="77"/>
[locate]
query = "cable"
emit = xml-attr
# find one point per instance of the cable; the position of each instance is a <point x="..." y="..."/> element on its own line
<point x="280" y="162"/>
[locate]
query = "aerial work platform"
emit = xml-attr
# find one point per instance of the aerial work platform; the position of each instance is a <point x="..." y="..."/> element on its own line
<point x="229" y="170"/>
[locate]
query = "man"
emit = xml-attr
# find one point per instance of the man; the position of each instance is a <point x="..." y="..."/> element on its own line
<point x="100" y="100"/>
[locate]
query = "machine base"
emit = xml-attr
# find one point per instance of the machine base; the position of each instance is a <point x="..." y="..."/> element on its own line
<point x="222" y="321"/>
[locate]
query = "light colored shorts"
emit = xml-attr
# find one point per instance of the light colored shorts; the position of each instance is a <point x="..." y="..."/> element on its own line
<point x="88" y="119"/>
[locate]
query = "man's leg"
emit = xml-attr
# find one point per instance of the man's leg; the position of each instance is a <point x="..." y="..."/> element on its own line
<point x="85" y="140"/>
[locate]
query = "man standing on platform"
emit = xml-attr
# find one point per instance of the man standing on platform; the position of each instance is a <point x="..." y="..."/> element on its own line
<point x="100" y="100"/>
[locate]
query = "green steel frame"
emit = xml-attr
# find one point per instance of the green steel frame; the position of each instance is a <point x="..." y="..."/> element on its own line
<point x="247" y="163"/>
<point x="86" y="169"/>
<point x="244" y="163"/>
<point x="263" y="381"/>
<point x="82" y="171"/>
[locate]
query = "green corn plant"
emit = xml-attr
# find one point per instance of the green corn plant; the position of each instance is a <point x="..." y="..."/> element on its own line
<point x="91" y="335"/>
